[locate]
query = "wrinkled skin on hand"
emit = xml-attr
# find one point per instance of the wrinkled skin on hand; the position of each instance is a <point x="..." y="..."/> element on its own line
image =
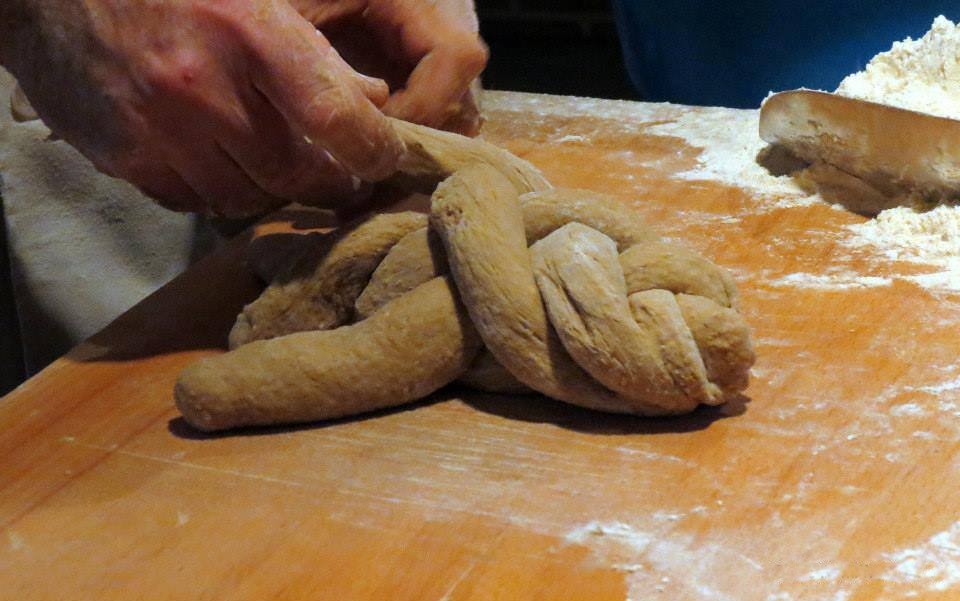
<point x="428" y="53"/>
<point x="233" y="107"/>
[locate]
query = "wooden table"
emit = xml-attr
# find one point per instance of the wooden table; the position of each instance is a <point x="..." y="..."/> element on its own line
<point x="838" y="479"/>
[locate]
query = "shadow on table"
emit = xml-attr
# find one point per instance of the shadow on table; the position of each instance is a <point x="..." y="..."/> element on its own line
<point x="539" y="409"/>
<point x="181" y="429"/>
<point x="535" y="409"/>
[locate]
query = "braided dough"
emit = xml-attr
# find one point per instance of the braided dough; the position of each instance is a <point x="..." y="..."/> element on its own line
<point x="508" y="285"/>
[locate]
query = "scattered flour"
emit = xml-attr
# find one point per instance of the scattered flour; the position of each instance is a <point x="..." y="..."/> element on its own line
<point x="625" y="534"/>
<point x="730" y="142"/>
<point x="908" y="409"/>
<point x="934" y="564"/>
<point x="949" y="385"/>
<point x="570" y="138"/>
<point x="729" y="139"/>
<point x="830" y="574"/>
<point x="927" y="237"/>
<point x="838" y="281"/>
<point x="920" y="75"/>
<point x="666" y="562"/>
<point x="15" y="541"/>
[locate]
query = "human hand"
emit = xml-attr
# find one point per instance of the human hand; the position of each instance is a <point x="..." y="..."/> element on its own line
<point x="430" y="54"/>
<point x="229" y="107"/>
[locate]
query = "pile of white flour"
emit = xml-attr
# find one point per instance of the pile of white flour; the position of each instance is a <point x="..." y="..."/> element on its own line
<point x="921" y="75"/>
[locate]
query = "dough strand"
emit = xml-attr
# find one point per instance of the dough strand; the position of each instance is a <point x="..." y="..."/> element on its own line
<point x="508" y="285"/>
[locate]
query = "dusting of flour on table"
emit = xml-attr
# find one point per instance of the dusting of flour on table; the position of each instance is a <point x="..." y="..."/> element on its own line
<point x="832" y="281"/>
<point x="730" y="142"/>
<point x="662" y="561"/>
<point x="934" y="564"/>
<point x="921" y="75"/>
<point x="927" y="237"/>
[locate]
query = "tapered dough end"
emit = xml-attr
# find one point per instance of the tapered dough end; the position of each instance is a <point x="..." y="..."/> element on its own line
<point x="723" y="337"/>
<point x="434" y="155"/>
<point x="196" y="397"/>
<point x="407" y="350"/>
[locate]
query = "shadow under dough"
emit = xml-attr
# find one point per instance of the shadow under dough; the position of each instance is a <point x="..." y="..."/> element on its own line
<point x="540" y="409"/>
<point x="533" y="408"/>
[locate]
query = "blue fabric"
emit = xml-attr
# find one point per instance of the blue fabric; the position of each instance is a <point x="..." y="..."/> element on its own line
<point x="733" y="53"/>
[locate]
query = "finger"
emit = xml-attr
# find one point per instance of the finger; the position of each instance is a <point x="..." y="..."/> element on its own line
<point x="467" y="119"/>
<point x="376" y="90"/>
<point x="260" y="141"/>
<point x="447" y="53"/>
<point x="438" y="83"/>
<point x="307" y="82"/>
<point x="344" y="26"/>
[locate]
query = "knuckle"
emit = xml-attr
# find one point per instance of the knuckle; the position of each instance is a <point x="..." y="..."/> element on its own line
<point x="329" y="108"/>
<point x="177" y="72"/>
<point x="231" y="16"/>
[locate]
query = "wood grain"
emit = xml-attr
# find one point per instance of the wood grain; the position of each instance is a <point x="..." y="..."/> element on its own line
<point x="835" y="477"/>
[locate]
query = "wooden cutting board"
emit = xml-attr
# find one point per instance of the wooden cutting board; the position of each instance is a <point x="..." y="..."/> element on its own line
<point x="836" y="477"/>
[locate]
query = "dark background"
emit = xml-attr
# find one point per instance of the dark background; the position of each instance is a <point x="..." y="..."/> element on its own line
<point x="553" y="47"/>
<point x="11" y="357"/>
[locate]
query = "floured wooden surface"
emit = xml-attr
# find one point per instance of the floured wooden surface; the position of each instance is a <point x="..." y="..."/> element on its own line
<point x="835" y="479"/>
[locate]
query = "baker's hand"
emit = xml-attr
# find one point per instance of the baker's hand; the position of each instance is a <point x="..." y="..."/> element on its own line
<point x="223" y="106"/>
<point x="430" y="53"/>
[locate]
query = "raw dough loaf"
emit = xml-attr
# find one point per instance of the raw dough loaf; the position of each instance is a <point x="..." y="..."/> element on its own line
<point x="563" y="292"/>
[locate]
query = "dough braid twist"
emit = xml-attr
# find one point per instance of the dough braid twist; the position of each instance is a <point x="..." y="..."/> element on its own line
<point x="508" y="285"/>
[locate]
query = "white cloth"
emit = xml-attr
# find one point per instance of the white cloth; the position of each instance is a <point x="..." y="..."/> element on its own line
<point x="83" y="247"/>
